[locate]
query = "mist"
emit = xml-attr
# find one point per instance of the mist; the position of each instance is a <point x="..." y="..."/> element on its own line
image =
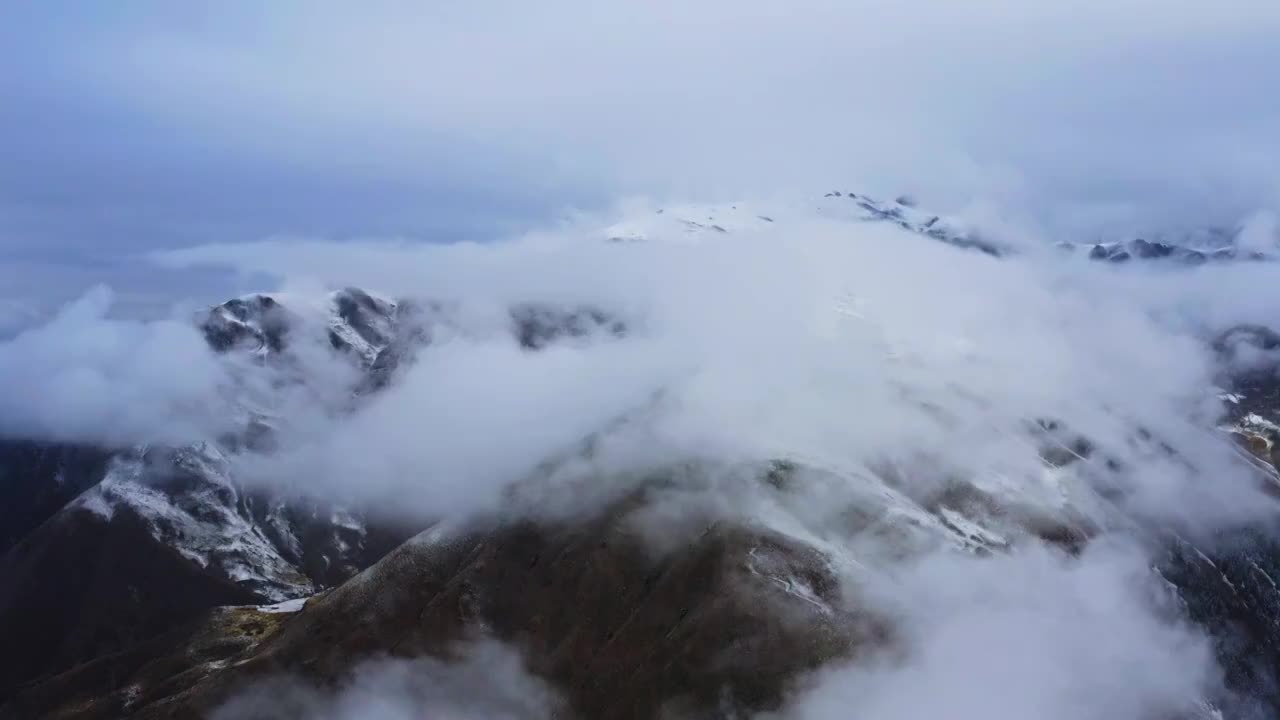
<point x="86" y="377"/>
<point x="489" y="682"/>
<point x="663" y="163"/>
<point x="846" y="348"/>
<point x="758" y="364"/>
<point x="1027" y="635"/>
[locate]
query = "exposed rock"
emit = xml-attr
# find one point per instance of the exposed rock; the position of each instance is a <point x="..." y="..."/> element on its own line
<point x="257" y="323"/>
<point x="1232" y="592"/>
<point x="362" y="324"/>
<point x="1120" y="252"/>
<point x="414" y="325"/>
<point x="536" y="326"/>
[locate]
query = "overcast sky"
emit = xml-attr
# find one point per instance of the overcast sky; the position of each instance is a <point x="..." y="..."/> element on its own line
<point x="134" y="126"/>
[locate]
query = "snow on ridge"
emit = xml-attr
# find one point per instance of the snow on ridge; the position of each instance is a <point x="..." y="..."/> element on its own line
<point x="697" y="222"/>
<point x="687" y="222"/>
<point x="202" y="522"/>
<point x="353" y="318"/>
<point x="287" y="606"/>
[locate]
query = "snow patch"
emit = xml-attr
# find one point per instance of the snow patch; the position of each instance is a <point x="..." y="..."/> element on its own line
<point x="288" y="606"/>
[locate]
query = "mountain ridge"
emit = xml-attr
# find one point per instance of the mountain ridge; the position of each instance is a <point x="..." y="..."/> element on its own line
<point x="184" y="586"/>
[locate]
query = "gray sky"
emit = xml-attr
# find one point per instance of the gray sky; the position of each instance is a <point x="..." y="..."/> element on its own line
<point x="134" y="126"/>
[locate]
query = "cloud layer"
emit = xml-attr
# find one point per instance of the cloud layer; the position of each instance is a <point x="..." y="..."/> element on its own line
<point x="1028" y="635"/>
<point x="847" y="347"/>
<point x="87" y="377"/>
<point x="490" y="683"/>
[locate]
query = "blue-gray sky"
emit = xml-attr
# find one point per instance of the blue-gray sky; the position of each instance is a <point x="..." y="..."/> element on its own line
<point x="126" y="127"/>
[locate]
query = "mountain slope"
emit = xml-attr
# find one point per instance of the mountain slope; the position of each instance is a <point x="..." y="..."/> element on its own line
<point x="720" y="623"/>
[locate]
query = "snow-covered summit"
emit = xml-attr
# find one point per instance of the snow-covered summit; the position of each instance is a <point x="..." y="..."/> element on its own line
<point x="694" y="221"/>
<point x="262" y="324"/>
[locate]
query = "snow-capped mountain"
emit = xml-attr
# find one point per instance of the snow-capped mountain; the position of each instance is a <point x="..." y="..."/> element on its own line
<point x="255" y="545"/>
<point x="154" y="581"/>
<point x="692" y="221"/>
<point x="189" y="497"/>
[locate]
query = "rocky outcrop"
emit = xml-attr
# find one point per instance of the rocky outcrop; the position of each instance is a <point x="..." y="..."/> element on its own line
<point x="537" y="325"/>
<point x="1142" y="249"/>
<point x="1231" y="591"/>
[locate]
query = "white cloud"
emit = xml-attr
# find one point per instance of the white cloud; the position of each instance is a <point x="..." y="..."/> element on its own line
<point x="1261" y="232"/>
<point x="470" y="418"/>
<point x="845" y="345"/>
<point x="1027" y="635"/>
<point x="489" y="683"/>
<point x="87" y="377"/>
<point x="949" y="356"/>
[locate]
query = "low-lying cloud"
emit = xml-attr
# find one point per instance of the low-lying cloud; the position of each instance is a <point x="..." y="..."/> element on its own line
<point x="1030" y="634"/>
<point x="87" y="377"/>
<point x="844" y="347"/>
<point x="839" y="344"/>
<point x="488" y="683"/>
<point x="836" y="343"/>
